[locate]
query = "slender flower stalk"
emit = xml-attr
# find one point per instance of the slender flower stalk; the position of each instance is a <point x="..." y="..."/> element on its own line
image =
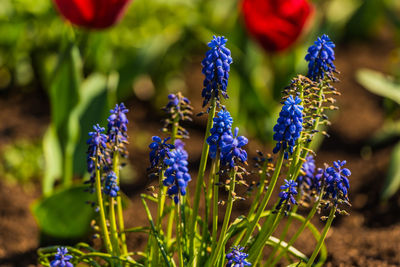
<point x="323" y="236"/>
<point x="216" y="253"/>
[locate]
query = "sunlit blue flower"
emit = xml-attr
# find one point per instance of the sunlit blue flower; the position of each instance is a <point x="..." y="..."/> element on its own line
<point x="289" y="126"/>
<point x="237" y="258"/>
<point x="287" y="195"/>
<point x="222" y="125"/>
<point x="159" y="149"/>
<point x="308" y="168"/>
<point x="177" y="174"/>
<point x="337" y="181"/>
<point x="178" y="109"/>
<point x="111" y="187"/>
<point x="231" y="149"/>
<point x="97" y="145"/>
<point x="216" y="66"/>
<point x="320" y="58"/>
<point x="61" y="258"/>
<point x="117" y="126"/>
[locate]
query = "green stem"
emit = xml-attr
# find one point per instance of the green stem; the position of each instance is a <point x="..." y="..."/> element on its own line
<point x="169" y="228"/>
<point x="264" y="203"/>
<point x="301" y="229"/>
<point x="113" y="228"/>
<point x="263" y="177"/>
<point x="120" y="214"/>
<point x="200" y="178"/>
<point x="216" y="253"/>
<point x="266" y="231"/>
<point x="179" y="234"/>
<point x="103" y="224"/>
<point x="322" y="237"/>
<point x="215" y="203"/>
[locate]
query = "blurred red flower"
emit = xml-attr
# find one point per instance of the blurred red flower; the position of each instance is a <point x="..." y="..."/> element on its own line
<point x="276" y="24"/>
<point x="92" y="14"/>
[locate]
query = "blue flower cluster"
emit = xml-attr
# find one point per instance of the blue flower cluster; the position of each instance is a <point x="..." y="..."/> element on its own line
<point x="117" y="127"/>
<point x="289" y="125"/>
<point x="231" y="148"/>
<point x="337" y="181"/>
<point x="176" y="100"/>
<point x="287" y="196"/>
<point x="97" y="145"/>
<point x="159" y="149"/>
<point x="61" y="258"/>
<point x="177" y="173"/>
<point x="178" y="109"/>
<point x="222" y="126"/>
<point x="320" y="58"/>
<point x="111" y="187"/>
<point x="216" y="66"/>
<point x="237" y="258"/>
<point x="308" y="168"/>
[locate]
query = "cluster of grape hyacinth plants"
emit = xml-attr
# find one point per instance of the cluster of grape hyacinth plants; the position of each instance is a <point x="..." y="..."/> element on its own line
<point x="183" y="234"/>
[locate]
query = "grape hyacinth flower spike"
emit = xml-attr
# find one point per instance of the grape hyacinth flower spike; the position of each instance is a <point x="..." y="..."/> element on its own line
<point x="222" y="126"/>
<point x="178" y="109"/>
<point x="289" y="126"/>
<point x="159" y="150"/>
<point x="320" y="58"/>
<point x="287" y="195"/>
<point x="337" y="181"/>
<point x="111" y="187"/>
<point x="216" y="66"/>
<point x="237" y="258"/>
<point x="61" y="258"/>
<point x="231" y="149"/>
<point x="97" y="145"/>
<point x="117" y="129"/>
<point x="177" y="174"/>
<point x="308" y="168"/>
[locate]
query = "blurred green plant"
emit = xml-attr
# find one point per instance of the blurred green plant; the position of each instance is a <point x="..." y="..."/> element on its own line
<point x="22" y="161"/>
<point x="388" y="88"/>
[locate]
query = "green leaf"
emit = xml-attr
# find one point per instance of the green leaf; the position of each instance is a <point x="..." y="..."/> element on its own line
<point x="392" y="182"/>
<point x="379" y="84"/>
<point x="65" y="213"/>
<point x="53" y="159"/>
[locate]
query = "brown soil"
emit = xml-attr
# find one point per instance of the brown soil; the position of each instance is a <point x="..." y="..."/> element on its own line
<point x="370" y="236"/>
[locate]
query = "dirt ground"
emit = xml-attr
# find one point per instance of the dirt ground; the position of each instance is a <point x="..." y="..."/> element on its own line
<point x="370" y="236"/>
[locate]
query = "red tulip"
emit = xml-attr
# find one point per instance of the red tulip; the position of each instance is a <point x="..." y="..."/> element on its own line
<point x="276" y="24"/>
<point x="92" y="14"/>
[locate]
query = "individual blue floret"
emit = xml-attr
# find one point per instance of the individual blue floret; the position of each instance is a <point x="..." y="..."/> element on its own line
<point x="237" y="258"/>
<point x="289" y="126"/>
<point x="177" y="174"/>
<point x="320" y="58"/>
<point x="337" y="181"/>
<point x="287" y="195"/>
<point x="97" y="145"/>
<point x="231" y="149"/>
<point x="61" y="258"/>
<point x="111" y="187"/>
<point x="159" y="149"/>
<point x="216" y="66"/>
<point x="222" y="125"/>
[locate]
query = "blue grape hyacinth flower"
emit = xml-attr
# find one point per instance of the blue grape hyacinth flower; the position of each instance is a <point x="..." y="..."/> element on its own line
<point x="308" y="168"/>
<point x="61" y="258"/>
<point x="159" y="150"/>
<point x="289" y="126"/>
<point x="231" y="149"/>
<point x="216" y="66"/>
<point x="111" y="187"/>
<point x="177" y="174"/>
<point x="237" y="258"/>
<point x="97" y="145"/>
<point x="320" y="58"/>
<point x="222" y="125"/>
<point x="287" y="195"/>
<point x="337" y="181"/>
<point x="117" y="124"/>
